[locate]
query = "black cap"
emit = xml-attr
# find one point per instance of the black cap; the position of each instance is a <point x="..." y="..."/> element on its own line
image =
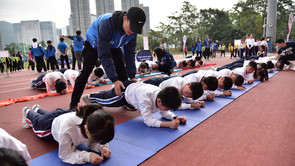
<point x="137" y="19"/>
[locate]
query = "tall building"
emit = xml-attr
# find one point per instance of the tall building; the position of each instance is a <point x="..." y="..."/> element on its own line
<point x="80" y="14"/>
<point x="30" y="30"/>
<point x="70" y="31"/>
<point x="7" y="33"/>
<point x="93" y="17"/>
<point x="18" y="32"/>
<point x="48" y="32"/>
<point x="104" y="6"/>
<point x="126" y="4"/>
<point x="146" y="27"/>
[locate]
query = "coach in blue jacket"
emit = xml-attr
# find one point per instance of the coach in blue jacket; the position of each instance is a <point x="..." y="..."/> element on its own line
<point x="104" y="39"/>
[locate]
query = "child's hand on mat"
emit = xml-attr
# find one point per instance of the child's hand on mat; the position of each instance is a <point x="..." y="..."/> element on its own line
<point x="202" y="103"/>
<point x="118" y="85"/>
<point x="105" y="152"/>
<point x="182" y="119"/>
<point x="210" y="97"/>
<point x="103" y="81"/>
<point x="250" y="81"/>
<point x="196" y="105"/>
<point x="134" y="80"/>
<point x="227" y="93"/>
<point x="241" y="87"/>
<point x="174" y="124"/>
<point x="95" y="158"/>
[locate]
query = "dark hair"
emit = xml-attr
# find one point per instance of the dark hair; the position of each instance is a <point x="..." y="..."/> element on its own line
<point x="170" y="97"/>
<point x="61" y="39"/>
<point x="239" y="80"/>
<point x="262" y="38"/>
<point x="270" y="65"/>
<point x="98" y="72"/>
<point x="280" y="41"/>
<point x="263" y="65"/>
<point x="197" y="58"/>
<point x="211" y="82"/>
<point x="253" y="64"/>
<point x="100" y="123"/>
<point x="197" y="90"/>
<point x="78" y="32"/>
<point x="262" y="74"/>
<point x="159" y="53"/>
<point x="9" y="157"/>
<point x="227" y="82"/>
<point x="34" y="39"/>
<point x="143" y="65"/>
<point x="60" y="85"/>
<point x="184" y="63"/>
<point x="192" y="63"/>
<point x="49" y="42"/>
<point x="201" y="62"/>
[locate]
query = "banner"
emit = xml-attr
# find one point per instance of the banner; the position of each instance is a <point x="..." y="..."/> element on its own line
<point x="184" y="41"/>
<point x="143" y="56"/>
<point x="290" y="25"/>
<point x="4" y="54"/>
<point x="145" y="43"/>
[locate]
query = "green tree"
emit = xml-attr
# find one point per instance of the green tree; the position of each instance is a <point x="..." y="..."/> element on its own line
<point x="11" y="48"/>
<point x="139" y="45"/>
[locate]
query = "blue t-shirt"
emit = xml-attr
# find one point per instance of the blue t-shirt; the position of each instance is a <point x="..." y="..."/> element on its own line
<point x="193" y="48"/>
<point x="62" y="47"/>
<point x="198" y="46"/>
<point x="214" y="46"/>
<point x="207" y="43"/>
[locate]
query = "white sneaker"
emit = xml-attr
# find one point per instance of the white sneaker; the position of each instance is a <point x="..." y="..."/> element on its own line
<point x="213" y="68"/>
<point x="86" y="99"/>
<point x="24" y="122"/>
<point x="36" y="107"/>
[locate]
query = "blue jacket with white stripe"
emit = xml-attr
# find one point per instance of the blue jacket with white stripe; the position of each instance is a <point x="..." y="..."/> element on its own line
<point x="107" y="32"/>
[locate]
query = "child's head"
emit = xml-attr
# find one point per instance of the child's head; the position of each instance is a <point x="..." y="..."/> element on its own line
<point x="98" y="72"/>
<point x="49" y="42"/>
<point x="168" y="98"/>
<point x="60" y="86"/>
<point x="210" y="83"/>
<point x="262" y="74"/>
<point x="34" y="40"/>
<point x="270" y="65"/>
<point x="251" y="67"/>
<point x="261" y="49"/>
<point x="183" y="63"/>
<point x="9" y="157"/>
<point x="192" y="90"/>
<point x="97" y="124"/>
<point x="238" y="80"/>
<point x="61" y="39"/>
<point x="225" y="83"/>
<point x="78" y="32"/>
<point x="262" y="65"/>
<point x="142" y="67"/>
<point x="229" y="44"/>
<point x="191" y="63"/>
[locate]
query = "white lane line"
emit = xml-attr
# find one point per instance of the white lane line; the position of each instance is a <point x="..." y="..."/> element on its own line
<point x="14" y="90"/>
<point x="2" y="86"/>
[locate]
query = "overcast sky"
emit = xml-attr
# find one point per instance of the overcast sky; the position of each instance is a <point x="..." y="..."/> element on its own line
<point x="59" y="11"/>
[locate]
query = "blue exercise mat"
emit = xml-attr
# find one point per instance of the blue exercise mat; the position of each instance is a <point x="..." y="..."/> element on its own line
<point x="134" y="142"/>
<point x="237" y="93"/>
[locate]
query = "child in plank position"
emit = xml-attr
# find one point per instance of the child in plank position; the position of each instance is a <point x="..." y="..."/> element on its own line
<point x="189" y="91"/>
<point x="208" y="83"/>
<point x="55" y="82"/>
<point x="142" y="68"/>
<point x="238" y="80"/>
<point x="224" y="82"/>
<point x="89" y="124"/>
<point x="238" y="67"/>
<point x="148" y="99"/>
<point x="98" y="76"/>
